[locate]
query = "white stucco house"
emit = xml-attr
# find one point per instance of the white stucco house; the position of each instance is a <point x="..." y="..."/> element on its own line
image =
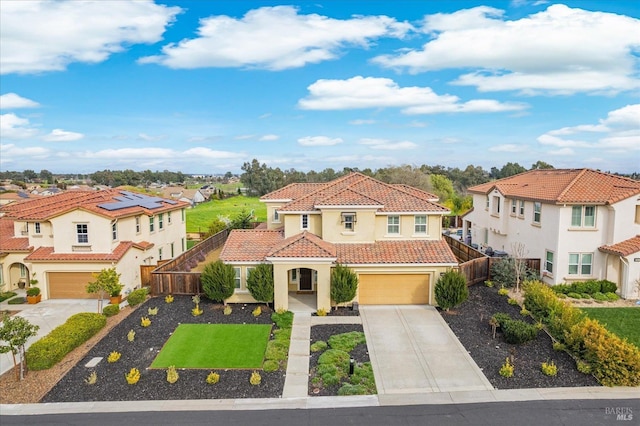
<point x="64" y="238"/>
<point x="583" y="224"/>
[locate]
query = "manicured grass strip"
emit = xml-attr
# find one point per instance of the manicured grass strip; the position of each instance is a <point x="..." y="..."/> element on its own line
<point x="624" y="322"/>
<point x="215" y="346"/>
<point x="200" y="217"/>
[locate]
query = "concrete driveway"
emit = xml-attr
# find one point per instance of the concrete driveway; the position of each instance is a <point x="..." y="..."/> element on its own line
<point x="413" y="350"/>
<point x="47" y="314"/>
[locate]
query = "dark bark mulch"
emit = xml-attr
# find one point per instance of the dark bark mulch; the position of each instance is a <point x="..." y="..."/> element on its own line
<point x="470" y="323"/>
<point x="112" y="386"/>
<point x="322" y="332"/>
<point x="342" y="311"/>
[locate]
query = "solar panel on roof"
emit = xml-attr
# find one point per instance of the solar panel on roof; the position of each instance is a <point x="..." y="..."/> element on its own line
<point x="131" y="199"/>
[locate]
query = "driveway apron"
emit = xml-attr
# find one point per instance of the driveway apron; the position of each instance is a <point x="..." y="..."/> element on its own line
<point x="413" y="350"/>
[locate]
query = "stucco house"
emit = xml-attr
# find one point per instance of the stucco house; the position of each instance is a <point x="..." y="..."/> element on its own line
<point x="390" y="235"/>
<point x="191" y="196"/>
<point x="582" y="223"/>
<point x="64" y="238"/>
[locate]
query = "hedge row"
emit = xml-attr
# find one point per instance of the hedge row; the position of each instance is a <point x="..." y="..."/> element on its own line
<point x="613" y="361"/>
<point x="586" y="287"/>
<point x="50" y="350"/>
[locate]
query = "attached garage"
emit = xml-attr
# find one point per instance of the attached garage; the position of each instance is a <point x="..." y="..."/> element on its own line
<point x="393" y="289"/>
<point x="70" y="285"/>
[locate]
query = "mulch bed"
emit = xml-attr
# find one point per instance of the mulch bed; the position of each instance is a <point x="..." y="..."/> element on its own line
<point x="112" y="386"/>
<point x="322" y="332"/>
<point x="470" y="323"/>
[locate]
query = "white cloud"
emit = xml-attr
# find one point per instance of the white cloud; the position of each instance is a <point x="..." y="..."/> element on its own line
<point x="269" y="138"/>
<point x="385" y="144"/>
<point x="157" y="154"/>
<point x="15" y="101"/>
<point x="244" y="137"/>
<point x="39" y="36"/>
<point x="265" y="115"/>
<point x="319" y="141"/>
<point x="59" y="135"/>
<point x="9" y="151"/>
<point x="361" y="122"/>
<point x="371" y="92"/>
<point x="509" y="147"/>
<point x="150" y="138"/>
<point x="274" y="38"/>
<point x="560" y="50"/>
<point x="563" y="152"/>
<point x="619" y="131"/>
<point x="14" y="127"/>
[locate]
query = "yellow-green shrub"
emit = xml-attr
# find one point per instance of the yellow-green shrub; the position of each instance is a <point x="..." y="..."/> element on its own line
<point x="213" y="378"/>
<point x="172" y="374"/>
<point x="549" y="368"/>
<point x="507" y="369"/>
<point x="114" y="357"/>
<point x="132" y="376"/>
<point x="168" y="298"/>
<point x="255" y="378"/>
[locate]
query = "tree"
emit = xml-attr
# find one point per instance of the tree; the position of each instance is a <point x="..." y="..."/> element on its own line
<point x="344" y="284"/>
<point x="519" y="251"/>
<point x="458" y="206"/>
<point x="442" y="186"/>
<point x="541" y="165"/>
<point x="46" y="176"/>
<point x="215" y="226"/>
<point x="218" y="281"/>
<point x="260" y="283"/>
<point x="242" y="220"/>
<point x="451" y="290"/>
<point x="107" y="281"/>
<point x="15" y="331"/>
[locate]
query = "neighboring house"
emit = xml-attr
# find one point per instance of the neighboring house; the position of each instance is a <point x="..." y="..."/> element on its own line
<point x="52" y="190"/>
<point x="12" y="197"/>
<point x="390" y="235"/>
<point x="64" y="238"/>
<point x="191" y="196"/>
<point x="583" y="224"/>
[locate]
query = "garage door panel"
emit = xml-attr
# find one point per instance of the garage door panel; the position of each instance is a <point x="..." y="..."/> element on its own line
<point x="70" y="285"/>
<point x="393" y="289"/>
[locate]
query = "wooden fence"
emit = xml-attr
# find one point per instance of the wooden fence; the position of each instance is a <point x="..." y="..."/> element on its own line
<point x="174" y="277"/>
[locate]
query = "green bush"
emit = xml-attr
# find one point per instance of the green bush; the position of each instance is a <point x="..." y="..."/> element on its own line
<point x="318" y="346"/>
<point x="218" y="281"/>
<point x="136" y="297"/>
<point x="512" y="301"/>
<point x="562" y="288"/>
<point x="574" y="295"/>
<point x="346" y="341"/>
<point x="343" y="284"/>
<point x="282" y="320"/>
<point x="6" y="295"/>
<point x="592" y="286"/>
<point x="612" y="297"/>
<point x="16" y="301"/>
<point x="270" y="365"/>
<point x="451" y="289"/>
<point x="277" y="350"/>
<point x="111" y="310"/>
<point x="503" y="292"/>
<point x="600" y="297"/>
<point x="500" y="318"/>
<point x="608" y="286"/>
<point x="585" y="296"/>
<point x="333" y="365"/>
<point x="49" y="350"/>
<point x="579" y="287"/>
<point x="517" y="332"/>
<point x="260" y="282"/>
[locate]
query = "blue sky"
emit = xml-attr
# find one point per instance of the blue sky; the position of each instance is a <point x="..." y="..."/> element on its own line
<point x="202" y="87"/>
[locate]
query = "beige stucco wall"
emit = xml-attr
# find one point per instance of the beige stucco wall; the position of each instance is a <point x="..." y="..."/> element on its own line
<point x="281" y="282"/>
<point x="11" y="277"/>
<point x="407" y="227"/>
<point x="333" y="229"/>
<point x="293" y="224"/>
<point x="271" y="208"/>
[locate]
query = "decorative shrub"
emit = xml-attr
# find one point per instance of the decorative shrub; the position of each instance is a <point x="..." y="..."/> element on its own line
<point x="500" y="318"/>
<point x="600" y="297"/>
<point x="283" y="319"/>
<point x="321" y="312"/>
<point x="255" y="378"/>
<point x="318" y="346"/>
<point x="524" y="312"/>
<point x="574" y="295"/>
<point x="608" y="286"/>
<point x="227" y="310"/>
<point x="612" y="297"/>
<point x="503" y="292"/>
<point x="196" y="311"/>
<point x="7" y="295"/>
<point x="503" y="272"/>
<point x="131" y="335"/>
<point x="489" y="283"/>
<point x="257" y="311"/>
<point x="549" y="368"/>
<point x="168" y="298"/>
<point x="260" y="282"/>
<point x="583" y="367"/>
<point x="270" y="365"/>
<point x="136" y="297"/>
<point x="585" y="296"/>
<point x="92" y="379"/>
<point x="346" y="341"/>
<point x="172" y="374"/>
<point x="152" y="311"/>
<point x="114" y="357"/>
<point x="33" y="291"/>
<point x="451" y="289"/>
<point x="507" y="369"/>
<point x="343" y="284"/>
<point x="49" y="350"/>
<point x="111" y="310"/>
<point x="579" y="287"/>
<point x="213" y="378"/>
<point x="218" y="281"/>
<point x="517" y="332"/>
<point x="512" y="301"/>
<point x="16" y="301"/>
<point x="562" y="288"/>
<point x="557" y="346"/>
<point x="145" y="322"/>
<point x="132" y="376"/>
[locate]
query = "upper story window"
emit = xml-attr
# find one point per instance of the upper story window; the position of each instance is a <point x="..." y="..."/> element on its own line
<point x="152" y="224"/>
<point x="183" y="215"/>
<point x="393" y="224"/>
<point x="583" y="216"/>
<point x="172" y="251"/>
<point x="580" y="263"/>
<point x="276" y="216"/>
<point x="638" y="214"/>
<point x="348" y="221"/>
<point x="521" y="212"/>
<point x="137" y="224"/>
<point x="114" y="231"/>
<point x="496" y="205"/>
<point x="486" y="206"/>
<point x="237" y="277"/>
<point x="169" y="218"/>
<point x="160" y="221"/>
<point x="514" y="206"/>
<point x="82" y="233"/>
<point x="304" y="221"/>
<point x="537" y="211"/>
<point x="37" y="228"/>
<point x="420" y="224"/>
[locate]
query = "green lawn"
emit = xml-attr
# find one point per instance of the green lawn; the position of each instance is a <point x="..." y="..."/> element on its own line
<point x="215" y="346"/>
<point x="199" y="217"/>
<point x="625" y="322"/>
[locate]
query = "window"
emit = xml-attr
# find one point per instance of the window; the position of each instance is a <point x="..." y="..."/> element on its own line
<point x="114" y="231"/>
<point x="183" y="215"/>
<point x="580" y="263"/>
<point x="152" y="226"/>
<point x="137" y="224"/>
<point x="521" y="212"/>
<point x="172" y="253"/>
<point x="23" y="271"/>
<point x="304" y="219"/>
<point x="393" y="224"/>
<point x="420" y="224"/>
<point x="160" y="221"/>
<point x="583" y="216"/>
<point x="537" y="211"/>
<point x="514" y="206"/>
<point x="182" y="244"/>
<point x="496" y="205"/>
<point x="276" y="216"/>
<point x="348" y="220"/>
<point x="37" y="228"/>
<point x="82" y="232"/>
<point x="294" y="275"/>
<point x="169" y="217"/>
<point x="548" y="264"/>
<point x="237" y="279"/>
<point x="160" y="254"/>
<point x="637" y="214"/>
<point x="486" y="206"/>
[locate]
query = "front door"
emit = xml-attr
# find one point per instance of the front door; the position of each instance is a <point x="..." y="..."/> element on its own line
<point x="305" y="280"/>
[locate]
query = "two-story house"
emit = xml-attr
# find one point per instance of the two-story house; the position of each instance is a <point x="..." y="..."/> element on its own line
<point x="390" y="235"/>
<point x="64" y="238"/>
<point x="582" y="224"/>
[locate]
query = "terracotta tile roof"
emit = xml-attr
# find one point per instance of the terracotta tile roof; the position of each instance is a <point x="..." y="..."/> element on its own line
<point x="391" y="252"/>
<point x="47" y="207"/>
<point x="8" y="241"/>
<point x="624" y="248"/>
<point x="303" y="245"/>
<point x="570" y="186"/>
<point x="292" y="191"/>
<point x="46" y="254"/>
<point x="359" y="189"/>
<point x="418" y="192"/>
<point x="250" y="245"/>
